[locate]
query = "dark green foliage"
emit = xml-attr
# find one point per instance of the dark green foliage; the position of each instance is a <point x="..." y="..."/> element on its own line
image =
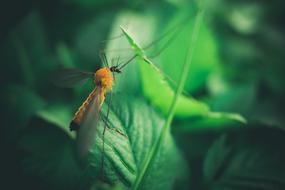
<point x="227" y="129"/>
<point x="251" y="159"/>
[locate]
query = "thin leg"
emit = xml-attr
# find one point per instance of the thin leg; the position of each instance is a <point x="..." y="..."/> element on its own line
<point x="103" y="58"/>
<point x="114" y="77"/>
<point x="117" y="64"/>
<point x="111" y="128"/>
<point x="103" y="136"/>
<point x="126" y="63"/>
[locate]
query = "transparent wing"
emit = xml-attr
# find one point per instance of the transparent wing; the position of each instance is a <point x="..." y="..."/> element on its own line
<point x="86" y="133"/>
<point x="70" y="77"/>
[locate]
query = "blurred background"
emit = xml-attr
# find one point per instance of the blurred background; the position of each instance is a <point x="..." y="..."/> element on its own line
<point x="237" y="67"/>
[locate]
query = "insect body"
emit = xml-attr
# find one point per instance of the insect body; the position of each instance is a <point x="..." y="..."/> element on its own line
<point x="104" y="81"/>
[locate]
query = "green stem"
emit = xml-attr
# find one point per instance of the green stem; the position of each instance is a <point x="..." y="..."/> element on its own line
<point x="165" y="129"/>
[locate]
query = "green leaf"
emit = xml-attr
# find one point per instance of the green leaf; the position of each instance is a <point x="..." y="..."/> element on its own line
<point x="19" y="104"/>
<point x="153" y="79"/>
<point x="247" y="159"/>
<point x="91" y="4"/>
<point x="59" y="115"/>
<point x="205" y="60"/>
<point x="137" y="49"/>
<point x="124" y="155"/>
<point x="268" y="111"/>
<point x="156" y="147"/>
<point x="231" y="99"/>
<point x="49" y="149"/>
<point x="120" y="47"/>
<point x="160" y="94"/>
<point x="214" y="121"/>
<point x="186" y="106"/>
<point x="49" y="155"/>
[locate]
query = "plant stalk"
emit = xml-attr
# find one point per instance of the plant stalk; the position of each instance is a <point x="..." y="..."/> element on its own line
<point x="166" y="127"/>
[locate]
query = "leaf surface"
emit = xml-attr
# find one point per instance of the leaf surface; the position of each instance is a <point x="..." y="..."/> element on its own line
<point x="50" y="151"/>
<point x="246" y="160"/>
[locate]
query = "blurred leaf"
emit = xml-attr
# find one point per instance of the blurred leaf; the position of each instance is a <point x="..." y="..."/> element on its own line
<point x="19" y="104"/>
<point x="137" y="49"/>
<point x="213" y="121"/>
<point x="253" y="101"/>
<point x="247" y="159"/>
<point x="247" y="78"/>
<point x="58" y="115"/>
<point x="119" y="47"/>
<point x="124" y="155"/>
<point x="99" y="186"/>
<point x="27" y="54"/>
<point x="205" y="59"/>
<point x="269" y="112"/>
<point x="159" y="92"/>
<point x="155" y="148"/>
<point x="64" y="55"/>
<point x="92" y="3"/>
<point x="232" y="99"/>
<point x="49" y="154"/>
<point x="153" y="79"/>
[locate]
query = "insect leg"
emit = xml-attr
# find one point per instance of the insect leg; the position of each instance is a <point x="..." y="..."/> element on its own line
<point x="103" y="58"/>
<point x="125" y="64"/>
<point x="103" y="135"/>
<point x="106" y="123"/>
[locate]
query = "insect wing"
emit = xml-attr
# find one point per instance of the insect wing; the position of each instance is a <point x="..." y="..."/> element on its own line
<point x="70" y="77"/>
<point x="87" y="131"/>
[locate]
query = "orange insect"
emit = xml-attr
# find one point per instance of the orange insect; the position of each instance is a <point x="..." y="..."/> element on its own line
<point x="86" y="118"/>
<point x="104" y="81"/>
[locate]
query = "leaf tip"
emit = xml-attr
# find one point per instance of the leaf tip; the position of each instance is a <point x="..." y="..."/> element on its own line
<point x="123" y="29"/>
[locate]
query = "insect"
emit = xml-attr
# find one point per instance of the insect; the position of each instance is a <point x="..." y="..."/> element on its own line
<point x="86" y="118"/>
<point x="103" y="78"/>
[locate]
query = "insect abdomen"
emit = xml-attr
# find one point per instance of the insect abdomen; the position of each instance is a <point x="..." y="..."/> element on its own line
<point x="75" y="123"/>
